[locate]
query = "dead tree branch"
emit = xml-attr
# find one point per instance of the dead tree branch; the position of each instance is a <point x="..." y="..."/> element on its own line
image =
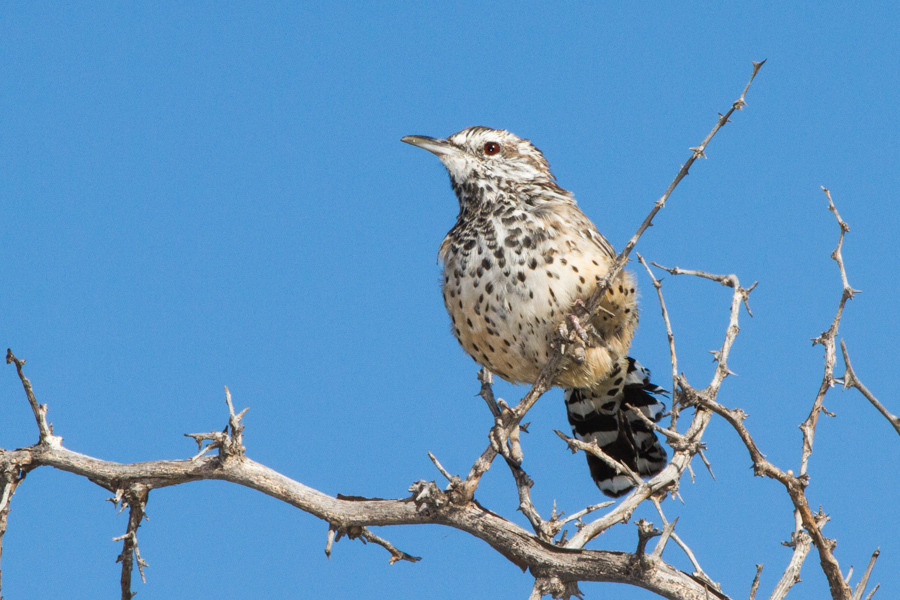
<point x="557" y="359"/>
<point x="353" y="516"/>
<point x="794" y="485"/>
<point x="557" y="567"/>
<point x="851" y="380"/>
<point x="135" y="498"/>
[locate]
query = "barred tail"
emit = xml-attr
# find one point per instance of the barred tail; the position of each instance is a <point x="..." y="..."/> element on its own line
<point x="598" y="414"/>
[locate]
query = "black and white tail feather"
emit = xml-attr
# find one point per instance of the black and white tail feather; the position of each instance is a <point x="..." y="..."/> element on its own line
<point x="599" y="414"/>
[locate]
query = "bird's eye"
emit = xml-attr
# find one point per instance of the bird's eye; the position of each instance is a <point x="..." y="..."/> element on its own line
<point x="491" y="148"/>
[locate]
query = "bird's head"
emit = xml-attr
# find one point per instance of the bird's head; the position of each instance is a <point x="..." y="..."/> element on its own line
<point x="482" y="156"/>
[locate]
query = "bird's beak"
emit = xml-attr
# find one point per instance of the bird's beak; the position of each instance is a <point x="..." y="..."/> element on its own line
<point x="433" y="145"/>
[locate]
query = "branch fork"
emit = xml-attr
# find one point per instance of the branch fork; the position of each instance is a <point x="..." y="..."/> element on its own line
<point x="229" y="440"/>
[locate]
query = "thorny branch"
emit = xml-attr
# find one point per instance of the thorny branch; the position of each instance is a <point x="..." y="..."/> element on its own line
<point x="808" y="524"/>
<point x="851" y="380"/>
<point x="556" y="570"/>
<point x="557" y="566"/>
<point x="135" y="498"/>
<point x="591" y="308"/>
<point x="669" y="335"/>
<point x="506" y="424"/>
<point x="39" y="410"/>
<point x="685" y="446"/>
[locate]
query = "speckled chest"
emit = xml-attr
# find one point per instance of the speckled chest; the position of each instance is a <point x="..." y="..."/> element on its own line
<point x="510" y="275"/>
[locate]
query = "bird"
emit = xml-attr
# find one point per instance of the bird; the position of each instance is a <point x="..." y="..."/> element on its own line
<point x="520" y="256"/>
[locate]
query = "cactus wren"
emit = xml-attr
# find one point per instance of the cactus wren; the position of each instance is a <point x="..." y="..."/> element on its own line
<point x="520" y="255"/>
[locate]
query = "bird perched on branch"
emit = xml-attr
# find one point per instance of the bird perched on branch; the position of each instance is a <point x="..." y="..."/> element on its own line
<point x="520" y="257"/>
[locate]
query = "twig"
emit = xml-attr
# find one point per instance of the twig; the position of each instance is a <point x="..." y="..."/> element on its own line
<point x="669" y="335"/>
<point x="673" y="436"/>
<point x="698" y="571"/>
<point x="861" y="586"/>
<point x="594" y="449"/>
<point x="396" y="555"/>
<point x="851" y="380"/>
<point x="664" y="538"/>
<point x="581" y="513"/>
<point x="706" y="462"/>
<point x="440" y="467"/>
<point x="839" y="588"/>
<point x="802" y="543"/>
<point x="755" y="585"/>
<point x="487" y="392"/>
<point x="545" y="530"/>
<point x="39" y="410"/>
<point x="364" y="534"/>
<point x="741" y="296"/>
<point x="827" y="339"/>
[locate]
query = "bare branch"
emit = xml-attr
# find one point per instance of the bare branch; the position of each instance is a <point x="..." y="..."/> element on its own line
<point x="487" y="392"/>
<point x="136" y="499"/>
<point x="795" y="485"/>
<point x="698" y="571"/>
<point x="366" y="535"/>
<point x="664" y="538"/>
<point x="556" y="568"/>
<point x="440" y="467"/>
<point x="545" y="530"/>
<point x="755" y="585"/>
<point x="669" y="335"/>
<point x="851" y="380"/>
<point x="581" y="513"/>
<point x="861" y="586"/>
<point x="593" y="448"/>
<point x="353" y="516"/>
<point x="39" y="410"/>
<point x="741" y="296"/>
<point x="802" y="543"/>
<point x="684" y="451"/>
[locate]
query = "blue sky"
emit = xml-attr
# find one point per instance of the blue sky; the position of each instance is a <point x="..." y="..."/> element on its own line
<point x="206" y="194"/>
